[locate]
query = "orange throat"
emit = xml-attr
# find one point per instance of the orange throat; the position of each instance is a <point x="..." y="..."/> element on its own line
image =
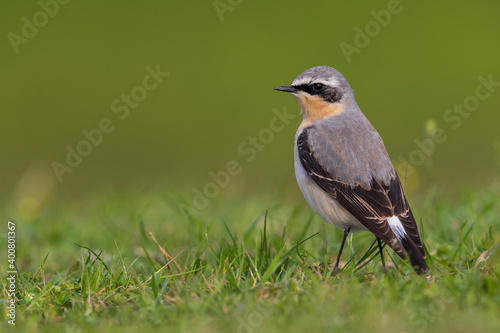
<point x="314" y="108"/>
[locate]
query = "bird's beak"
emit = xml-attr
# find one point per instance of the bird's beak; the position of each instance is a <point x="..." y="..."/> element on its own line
<point x="290" y="89"/>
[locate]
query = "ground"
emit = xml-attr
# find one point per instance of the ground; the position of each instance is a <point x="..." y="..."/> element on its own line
<point x="146" y="263"/>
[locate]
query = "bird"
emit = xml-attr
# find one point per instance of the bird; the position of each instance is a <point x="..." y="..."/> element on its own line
<point x="343" y="169"/>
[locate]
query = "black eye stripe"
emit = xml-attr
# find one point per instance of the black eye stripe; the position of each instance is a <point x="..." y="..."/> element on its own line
<point x="308" y="88"/>
<point x="329" y="94"/>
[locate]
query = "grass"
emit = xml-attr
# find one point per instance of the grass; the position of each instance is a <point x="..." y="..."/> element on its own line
<point x="242" y="265"/>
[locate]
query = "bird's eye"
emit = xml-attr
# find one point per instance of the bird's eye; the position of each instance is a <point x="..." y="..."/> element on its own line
<point x="317" y="86"/>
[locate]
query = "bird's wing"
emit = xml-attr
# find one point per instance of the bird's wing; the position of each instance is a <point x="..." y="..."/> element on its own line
<point x="372" y="207"/>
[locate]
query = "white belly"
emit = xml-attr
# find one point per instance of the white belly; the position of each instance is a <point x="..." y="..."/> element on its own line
<point x="322" y="203"/>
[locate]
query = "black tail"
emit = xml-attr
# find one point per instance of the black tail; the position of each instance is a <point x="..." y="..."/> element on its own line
<point x="416" y="258"/>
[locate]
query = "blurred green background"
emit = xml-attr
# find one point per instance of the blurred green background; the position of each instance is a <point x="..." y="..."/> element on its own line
<point x="222" y="65"/>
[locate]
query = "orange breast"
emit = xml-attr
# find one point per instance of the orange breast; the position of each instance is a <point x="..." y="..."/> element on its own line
<point x="314" y="108"/>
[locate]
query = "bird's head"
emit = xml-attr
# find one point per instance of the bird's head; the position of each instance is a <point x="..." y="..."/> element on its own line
<point x="321" y="92"/>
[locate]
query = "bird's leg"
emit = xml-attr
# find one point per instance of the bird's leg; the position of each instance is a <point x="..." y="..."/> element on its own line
<point x="346" y="233"/>
<point x="381" y="253"/>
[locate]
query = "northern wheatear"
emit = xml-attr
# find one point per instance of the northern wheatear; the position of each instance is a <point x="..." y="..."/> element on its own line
<point x="343" y="169"/>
